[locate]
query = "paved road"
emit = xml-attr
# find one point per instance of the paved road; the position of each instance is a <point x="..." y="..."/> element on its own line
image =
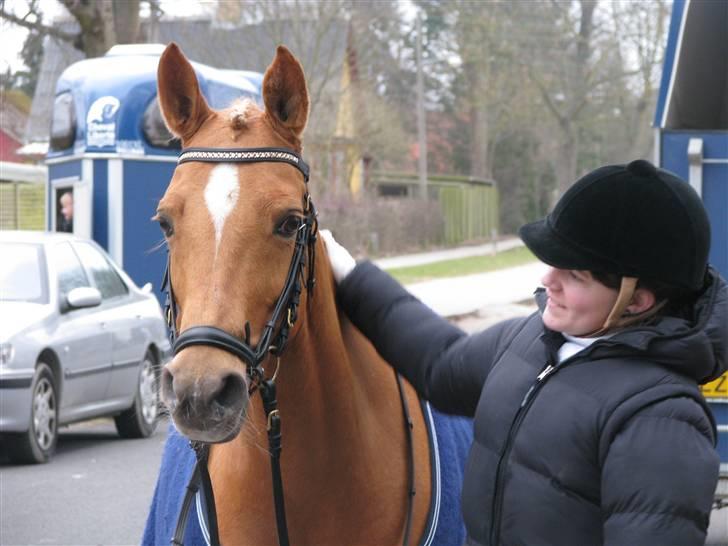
<point x="422" y="258"/>
<point x="474" y="293"/>
<point x="96" y="490"/>
<point x="493" y="293"/>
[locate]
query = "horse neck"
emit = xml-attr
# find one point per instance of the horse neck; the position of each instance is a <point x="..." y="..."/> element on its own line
<point x="334" y="393"/>
<point x="332" y="375"/>
<point x="344" y="442"/>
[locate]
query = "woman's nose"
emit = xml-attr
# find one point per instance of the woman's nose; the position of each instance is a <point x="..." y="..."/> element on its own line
<point x="550" y="278"/>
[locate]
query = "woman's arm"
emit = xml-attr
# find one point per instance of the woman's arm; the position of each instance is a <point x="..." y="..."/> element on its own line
<point x="659" y="477"/>
<point x="445" y="365"/>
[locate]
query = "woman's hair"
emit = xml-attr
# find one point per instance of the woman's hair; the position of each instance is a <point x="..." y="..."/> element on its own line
<point x="679" y="300"/>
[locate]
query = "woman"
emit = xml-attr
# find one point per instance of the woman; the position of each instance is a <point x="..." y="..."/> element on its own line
<point x="589" y="426"/>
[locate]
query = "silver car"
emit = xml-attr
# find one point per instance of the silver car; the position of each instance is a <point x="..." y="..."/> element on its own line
<point x="78" y="340"/>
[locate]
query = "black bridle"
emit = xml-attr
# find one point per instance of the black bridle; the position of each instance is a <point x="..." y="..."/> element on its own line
<point x="289" y="298"/>
<point x="271" y="341"/>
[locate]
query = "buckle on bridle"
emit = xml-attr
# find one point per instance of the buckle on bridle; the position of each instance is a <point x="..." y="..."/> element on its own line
<point x="272" y="415"/>
<point x="256" y="375"/>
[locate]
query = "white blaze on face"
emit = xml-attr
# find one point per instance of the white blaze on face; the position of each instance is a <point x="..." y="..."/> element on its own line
<point x="221" y="195"/>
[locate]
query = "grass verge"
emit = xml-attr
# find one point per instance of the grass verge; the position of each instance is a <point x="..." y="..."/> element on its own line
<point x="462" y="266"/>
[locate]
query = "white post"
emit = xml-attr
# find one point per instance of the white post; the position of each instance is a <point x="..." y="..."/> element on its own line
<point x="115" y="210"/>
<point x="695" y="161"/>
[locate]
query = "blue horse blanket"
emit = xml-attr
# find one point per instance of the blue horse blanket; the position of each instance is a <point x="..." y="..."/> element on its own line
<point x="450" y="439"/>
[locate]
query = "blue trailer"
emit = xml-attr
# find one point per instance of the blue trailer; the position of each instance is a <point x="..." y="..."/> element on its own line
<point x="691" y="139"/>
<point x="691" y="118"/>
<point x="111" y="157"/>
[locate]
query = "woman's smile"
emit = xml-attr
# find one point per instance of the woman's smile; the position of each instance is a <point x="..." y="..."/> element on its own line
<point x="583" y="303"/>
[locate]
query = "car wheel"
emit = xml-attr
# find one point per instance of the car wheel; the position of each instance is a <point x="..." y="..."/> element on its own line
<point x="140" y="420"/>
<point x="39" y="442"/>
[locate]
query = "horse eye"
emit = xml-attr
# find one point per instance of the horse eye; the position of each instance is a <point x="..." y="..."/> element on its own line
<point x="289" y="226"/>
<point x="165" y="225"/>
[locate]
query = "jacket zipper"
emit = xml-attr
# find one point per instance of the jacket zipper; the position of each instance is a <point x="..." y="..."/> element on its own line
<point x="515" y="425"/>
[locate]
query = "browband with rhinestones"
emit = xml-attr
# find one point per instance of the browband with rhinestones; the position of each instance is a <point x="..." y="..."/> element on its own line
<point x="244" y="155"/>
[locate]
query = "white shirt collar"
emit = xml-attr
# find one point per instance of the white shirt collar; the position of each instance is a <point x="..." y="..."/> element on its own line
<point x="574" y="345"/>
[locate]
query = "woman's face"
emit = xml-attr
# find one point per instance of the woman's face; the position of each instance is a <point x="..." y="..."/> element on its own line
<point x="577" y="303"/>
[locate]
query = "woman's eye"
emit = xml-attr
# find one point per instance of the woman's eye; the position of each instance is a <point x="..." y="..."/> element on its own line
<point x="578" y="275"/>
<point x="289" y="226"/>
<point x="165" y="226"/>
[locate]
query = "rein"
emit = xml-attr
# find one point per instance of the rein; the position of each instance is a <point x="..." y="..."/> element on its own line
<point x="271" y="342"/>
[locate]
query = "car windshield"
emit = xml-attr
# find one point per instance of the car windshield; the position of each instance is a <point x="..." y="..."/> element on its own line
<point x="22" y="273"/>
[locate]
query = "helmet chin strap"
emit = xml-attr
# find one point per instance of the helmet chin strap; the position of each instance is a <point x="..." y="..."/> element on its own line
<point x="616" y="318"/>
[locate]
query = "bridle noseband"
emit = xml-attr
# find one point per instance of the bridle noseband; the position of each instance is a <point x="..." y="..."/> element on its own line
<point x="271" y="341"/>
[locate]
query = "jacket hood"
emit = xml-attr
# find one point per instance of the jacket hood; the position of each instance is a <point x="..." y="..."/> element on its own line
<point x="697" y="348"/>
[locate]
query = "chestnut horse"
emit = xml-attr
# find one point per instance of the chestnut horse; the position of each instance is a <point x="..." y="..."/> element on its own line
<point x="231" y="230"/>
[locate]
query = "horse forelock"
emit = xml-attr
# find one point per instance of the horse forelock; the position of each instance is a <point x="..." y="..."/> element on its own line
<point x="245" y="117"/>
<point x="241" y="112"/>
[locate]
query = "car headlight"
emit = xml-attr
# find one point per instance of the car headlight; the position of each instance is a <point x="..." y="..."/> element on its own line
<point x="7" y="352"/>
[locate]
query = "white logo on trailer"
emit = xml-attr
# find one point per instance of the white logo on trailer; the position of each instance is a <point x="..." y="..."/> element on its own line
<point x="101" y="122"/>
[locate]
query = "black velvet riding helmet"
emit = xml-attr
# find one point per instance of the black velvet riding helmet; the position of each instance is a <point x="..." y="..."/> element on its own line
<point x="634" y="220"/>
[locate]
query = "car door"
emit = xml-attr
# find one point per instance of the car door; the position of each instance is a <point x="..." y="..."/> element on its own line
<point x="81" y="341"/>
<point x="122" y="313"/>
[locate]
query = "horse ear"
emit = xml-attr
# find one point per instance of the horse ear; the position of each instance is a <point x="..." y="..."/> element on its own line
<point x="284" y="92"/>
<point x="180" y="100"/>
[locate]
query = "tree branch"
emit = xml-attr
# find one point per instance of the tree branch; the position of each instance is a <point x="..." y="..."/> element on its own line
<point x="38" y="26"/>
<point x="543" y="91"/>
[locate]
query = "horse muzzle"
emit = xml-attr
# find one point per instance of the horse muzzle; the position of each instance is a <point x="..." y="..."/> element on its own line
<point x="207" y="405"/>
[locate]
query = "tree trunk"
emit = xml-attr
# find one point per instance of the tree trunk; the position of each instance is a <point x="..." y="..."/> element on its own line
<point x="566" y="163"/>
<point x="479" y="161"/>
<point x="126" y="21"/>
<point x="479" y="135"/>
<point x="96" y="20"/>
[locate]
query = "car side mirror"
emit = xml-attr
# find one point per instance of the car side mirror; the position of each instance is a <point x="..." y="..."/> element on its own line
<point x="83" y="296"/>
<point x="147" y="288"/>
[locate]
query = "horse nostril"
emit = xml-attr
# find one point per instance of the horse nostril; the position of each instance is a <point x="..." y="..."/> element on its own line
<point x="231" y="391"/>
<point x="167" y="385"/>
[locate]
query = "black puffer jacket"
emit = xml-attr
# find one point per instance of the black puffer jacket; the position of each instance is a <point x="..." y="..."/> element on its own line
<point x="614" y="446"/>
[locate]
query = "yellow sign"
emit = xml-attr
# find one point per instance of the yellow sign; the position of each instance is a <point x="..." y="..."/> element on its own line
<point x="717" y="388"/>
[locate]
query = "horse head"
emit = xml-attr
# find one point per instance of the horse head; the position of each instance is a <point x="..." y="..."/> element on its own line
<point x="232" y="229"/>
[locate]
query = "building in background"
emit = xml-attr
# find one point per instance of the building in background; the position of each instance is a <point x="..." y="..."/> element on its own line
<point x="14" y="112"/>
<point x="22" y="184"/>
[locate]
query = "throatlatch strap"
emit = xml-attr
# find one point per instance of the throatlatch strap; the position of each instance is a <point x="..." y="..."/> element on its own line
<point x="270" y="405"/>
<point x="192" y="487"/>
<point x="200" y="479"/>
<point x="409" y="425"/>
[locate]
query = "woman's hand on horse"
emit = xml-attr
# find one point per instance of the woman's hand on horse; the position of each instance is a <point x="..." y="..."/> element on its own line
<point x="341" y="261"/>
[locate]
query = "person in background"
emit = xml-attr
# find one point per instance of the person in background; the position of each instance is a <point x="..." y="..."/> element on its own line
<point x="589" y="425"/>
<point x="65" y="221"/>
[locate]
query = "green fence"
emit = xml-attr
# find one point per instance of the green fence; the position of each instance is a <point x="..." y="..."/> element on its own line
<point x="469" y="206"/>
<point x="22" y="206"/>
<point x="22" y="196"/>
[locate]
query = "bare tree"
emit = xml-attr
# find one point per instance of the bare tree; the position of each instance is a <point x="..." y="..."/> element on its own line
<point x="559" y="61"/>
<point x="101" y="23"/>
<point x="639" y="42"/>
